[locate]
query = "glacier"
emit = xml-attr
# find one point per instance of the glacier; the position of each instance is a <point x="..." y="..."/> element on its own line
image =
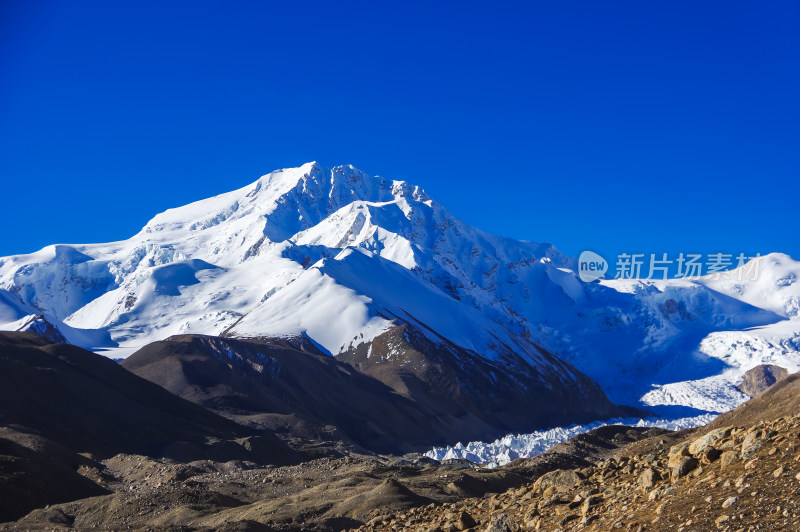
<point x="513" y="446"/>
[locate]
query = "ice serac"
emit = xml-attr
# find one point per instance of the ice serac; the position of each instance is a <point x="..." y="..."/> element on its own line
<point x="347" y="260"/>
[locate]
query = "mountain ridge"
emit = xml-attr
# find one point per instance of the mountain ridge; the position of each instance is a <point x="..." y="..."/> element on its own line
<point x="336" y="242"/>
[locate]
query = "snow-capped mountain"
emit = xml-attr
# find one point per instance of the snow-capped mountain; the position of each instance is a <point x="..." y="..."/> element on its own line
<point x="300" y="251"/>
<point x="343" y="258"/>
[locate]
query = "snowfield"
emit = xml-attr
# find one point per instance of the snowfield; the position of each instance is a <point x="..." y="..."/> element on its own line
<point x="339" y="256"/>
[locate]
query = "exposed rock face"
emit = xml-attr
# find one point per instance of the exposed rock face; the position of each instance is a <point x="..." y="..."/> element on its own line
<point x="292" y="387"/>
<point x="760" y="378"/>
<point x="39" y="325"/>
<point x="508" y="393"/>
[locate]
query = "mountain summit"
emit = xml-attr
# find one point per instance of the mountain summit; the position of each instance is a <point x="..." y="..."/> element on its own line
<point x="333" y="254"/>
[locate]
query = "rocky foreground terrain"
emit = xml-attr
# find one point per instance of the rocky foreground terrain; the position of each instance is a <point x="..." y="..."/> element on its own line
<point x="330" y="493"/>
<point x="134" y="457"/>
<point x="732" y="478"/>
<point x="737" y="474"/>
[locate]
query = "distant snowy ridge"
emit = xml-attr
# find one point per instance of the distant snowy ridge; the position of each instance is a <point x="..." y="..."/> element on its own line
<point x="341" y="257"/>
<point x="511" y="447"/>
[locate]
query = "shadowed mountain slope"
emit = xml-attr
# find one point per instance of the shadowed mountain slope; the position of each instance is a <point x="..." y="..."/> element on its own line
<point x="89" y="403"/>
<point x="58" y="400"/>
<point x="424" y="395"/>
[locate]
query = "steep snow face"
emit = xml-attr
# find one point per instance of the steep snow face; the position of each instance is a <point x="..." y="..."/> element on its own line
<point x="58" y="278"/>
<point x="770" y="282"/>
<point x="339" y="256"/>
<point x="351" y="298"/>
<point x="10" y="310"/>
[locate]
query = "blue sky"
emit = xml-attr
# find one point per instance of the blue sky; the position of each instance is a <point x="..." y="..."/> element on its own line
<point x="614" y="126"/>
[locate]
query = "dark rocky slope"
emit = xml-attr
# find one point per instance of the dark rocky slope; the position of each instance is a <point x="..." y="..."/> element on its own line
<point x="89" y="403"/>
<point x="35" y="471"/>
<point x="62" y="408"/>
<point x="399" y="393"/>
<point x="743" y="477"/>
<point x="505" y="395"/>
<point x="288" y="386"/>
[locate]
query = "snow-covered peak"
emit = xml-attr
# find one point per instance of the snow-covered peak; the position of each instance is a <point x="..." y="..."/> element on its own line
<point x="291" y="200"/>
<point x="769" y="282"/>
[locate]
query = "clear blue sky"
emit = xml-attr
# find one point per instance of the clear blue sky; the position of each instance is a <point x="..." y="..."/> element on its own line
<point x="616" y="126"/>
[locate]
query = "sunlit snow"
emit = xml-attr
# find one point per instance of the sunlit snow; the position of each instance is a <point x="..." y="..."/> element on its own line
<point x="339" y="256"/>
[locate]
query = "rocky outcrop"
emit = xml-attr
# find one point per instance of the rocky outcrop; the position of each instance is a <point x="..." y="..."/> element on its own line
<point x="760" y="378"/>
<point x="40" y="326"/>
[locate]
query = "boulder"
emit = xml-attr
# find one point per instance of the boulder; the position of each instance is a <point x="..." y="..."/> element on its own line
<point x="560" y="480"/>
<point x="752" y="443"/>
<point x="684" y="466"/>
<point x="648" y="478"/>
<point x="465" y="521"/>
<point x="698" y="445"/>
<point x="760" y="378"/>
<point x="728" y="458"/>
